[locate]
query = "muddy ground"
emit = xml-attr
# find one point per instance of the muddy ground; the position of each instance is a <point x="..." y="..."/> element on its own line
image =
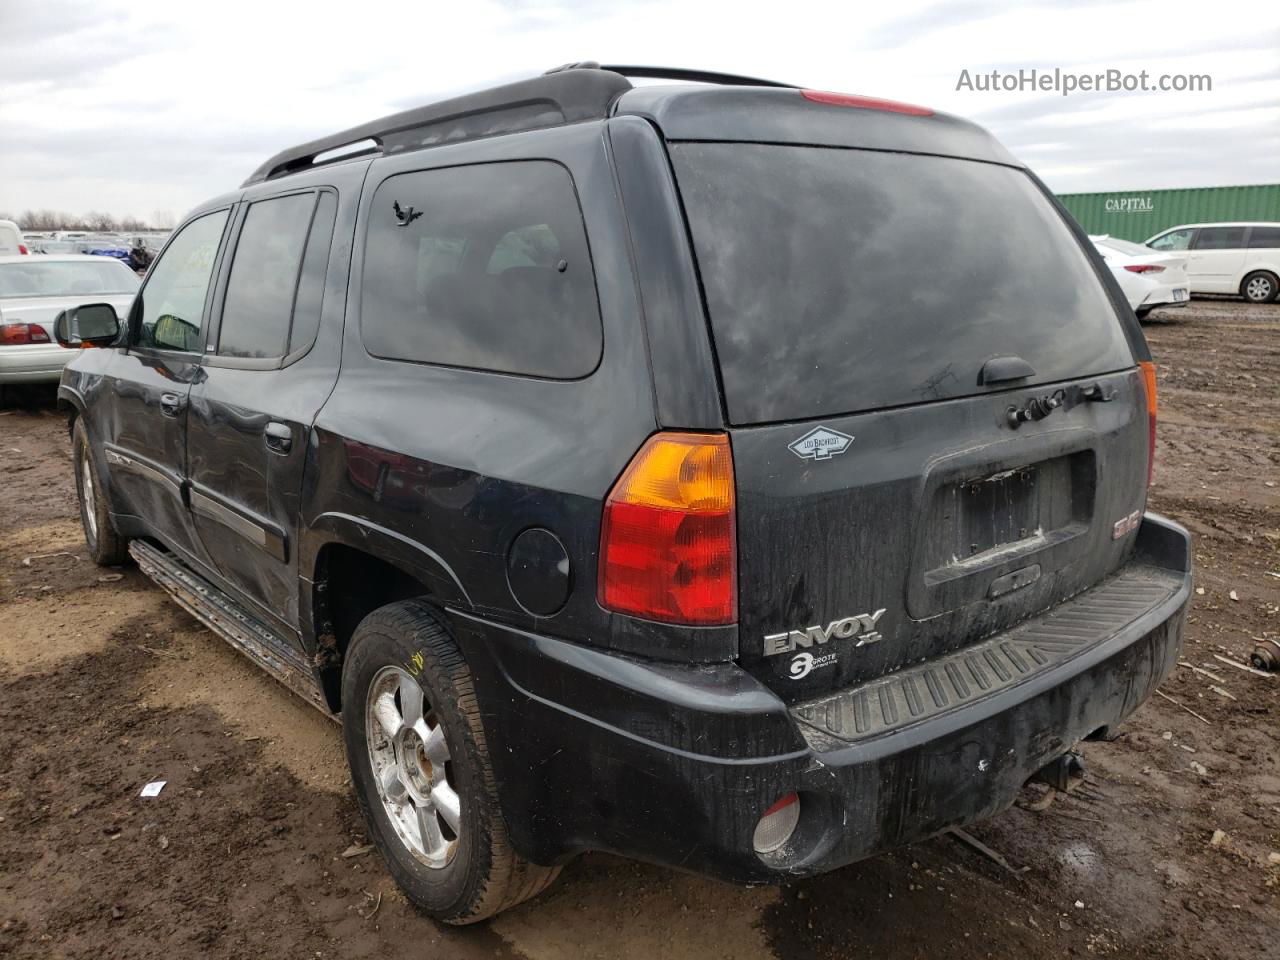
<point x="105" y="686"/>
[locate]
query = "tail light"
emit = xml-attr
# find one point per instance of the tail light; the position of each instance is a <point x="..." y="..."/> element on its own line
<point x="22" y="249"/>
<point x="1149" y="385"/>
<point x="866" y="103"/>
<point x="1144" y="268"/>
<point x="668" y="541"/>
<point x="16" y="334"/>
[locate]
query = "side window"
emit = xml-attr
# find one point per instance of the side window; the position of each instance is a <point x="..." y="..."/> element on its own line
<point x="485" y="267"/>
<point x="1174" y="240"/>
<point x="1219" y="238"/>
<point x="1264" y="238"/>
<point x="315" y="264"/>
<point x="258" y="306"/>
<point x="171" y="303"/>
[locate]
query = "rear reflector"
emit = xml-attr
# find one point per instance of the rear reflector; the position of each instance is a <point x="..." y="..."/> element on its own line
<point x="668" y="547"/>
<point x="866" y="103"/>
<point x="777" y="825"/>
<point x="1144" y="268"/>
<point x="16" y="334"/>
<point x="1149" y="386"/>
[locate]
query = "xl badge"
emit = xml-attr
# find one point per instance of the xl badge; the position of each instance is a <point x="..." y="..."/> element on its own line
<point x="821" y="443"/>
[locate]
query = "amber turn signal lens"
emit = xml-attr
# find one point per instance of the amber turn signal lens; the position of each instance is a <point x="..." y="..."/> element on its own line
<point x="1149" y="385"/>
<point x="668" y="542"/>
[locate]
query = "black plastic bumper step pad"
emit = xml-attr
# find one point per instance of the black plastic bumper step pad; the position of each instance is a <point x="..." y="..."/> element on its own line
<point x="1039" y="644"/>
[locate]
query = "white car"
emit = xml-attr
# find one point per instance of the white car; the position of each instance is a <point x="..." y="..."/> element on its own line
<point x="12" y="242"/>
<point x="1148" y="279"/>
<point x="1237" y="258"/>
<point x="34" y="290"/>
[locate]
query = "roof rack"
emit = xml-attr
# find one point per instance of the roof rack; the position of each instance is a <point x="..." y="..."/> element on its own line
<point x="696" y="76"/>
<point x="565" y="94"/>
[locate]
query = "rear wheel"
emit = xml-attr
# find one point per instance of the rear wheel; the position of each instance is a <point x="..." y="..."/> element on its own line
<point x="421" y="769"/>
<point x="106" y="547"/>
<point x="1260" y="287"/>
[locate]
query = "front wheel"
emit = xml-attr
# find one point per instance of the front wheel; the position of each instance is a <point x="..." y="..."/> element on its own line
<point x="1260" y="287"/>
<point x="106" y="547"/>
<point x="421" y="768"/>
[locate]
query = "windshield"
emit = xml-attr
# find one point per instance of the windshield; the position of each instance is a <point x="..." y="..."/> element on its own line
<point x="45" y="278"/>
<point x="843" y="280"/>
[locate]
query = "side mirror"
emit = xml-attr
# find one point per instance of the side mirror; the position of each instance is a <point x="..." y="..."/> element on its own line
<point x="91" y="325"/>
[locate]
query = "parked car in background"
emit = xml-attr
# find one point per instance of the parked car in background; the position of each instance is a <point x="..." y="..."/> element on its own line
<point x="1148" y="279"/>
<point x="1238" y="258"/>
<point x="12" y="242"/>
<point x="33" y="291"/>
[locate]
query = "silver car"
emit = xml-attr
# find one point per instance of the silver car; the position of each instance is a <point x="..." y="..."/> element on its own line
<point x="33" y="291"/>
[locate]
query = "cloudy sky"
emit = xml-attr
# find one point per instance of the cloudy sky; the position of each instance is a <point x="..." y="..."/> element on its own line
<point x="140" y="107"/>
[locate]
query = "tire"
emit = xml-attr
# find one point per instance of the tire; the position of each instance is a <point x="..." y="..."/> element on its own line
<point x="428" y="769"/>
<point x="106" y="547"/>
<point x="1261" y="286"/>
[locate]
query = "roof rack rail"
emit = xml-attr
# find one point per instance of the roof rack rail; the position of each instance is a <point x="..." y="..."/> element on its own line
<point x="564" y="94"/>
<point x="550" y="100"/>
<point x="696" y="76"/>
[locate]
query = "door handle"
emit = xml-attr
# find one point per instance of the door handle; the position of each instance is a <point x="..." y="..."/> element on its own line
<point x="172" y="404"/>
<point x="278" y="437"/>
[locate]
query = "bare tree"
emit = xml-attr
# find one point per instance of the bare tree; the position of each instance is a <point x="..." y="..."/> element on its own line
<point x="99" y="221"/>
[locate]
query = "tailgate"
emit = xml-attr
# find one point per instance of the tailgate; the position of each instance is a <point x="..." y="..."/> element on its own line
<point x="876" y="317"/>
<point x="937" y="526"/>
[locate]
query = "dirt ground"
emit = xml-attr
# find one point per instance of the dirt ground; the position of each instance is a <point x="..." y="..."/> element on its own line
<point x="105" y="686"/>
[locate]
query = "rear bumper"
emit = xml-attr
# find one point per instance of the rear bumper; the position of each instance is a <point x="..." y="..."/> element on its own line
<point x="675" y="764"/>
<point x="34" y="363"/>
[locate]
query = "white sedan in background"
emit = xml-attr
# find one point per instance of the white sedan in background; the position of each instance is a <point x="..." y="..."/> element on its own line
<point x="1149" y="279"/>
<point x="33" y="291"/>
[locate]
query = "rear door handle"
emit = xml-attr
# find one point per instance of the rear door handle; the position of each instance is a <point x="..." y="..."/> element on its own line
<point x="278" y="437"/>
<point x="172" y="404"/>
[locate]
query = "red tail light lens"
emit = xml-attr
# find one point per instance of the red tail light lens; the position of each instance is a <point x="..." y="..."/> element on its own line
<point x="1149" y="385"/>
<point x="1144" y="268"/>
<point x="22" y="249"/>
<point x="15" y="334"/>
<point x="668" y="543"/>
<point x="866" y="103"/>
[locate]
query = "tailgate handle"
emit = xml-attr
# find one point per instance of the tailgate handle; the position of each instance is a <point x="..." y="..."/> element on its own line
<point x="1004" y="369"/>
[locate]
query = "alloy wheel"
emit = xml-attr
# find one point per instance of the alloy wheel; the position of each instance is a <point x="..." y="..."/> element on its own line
<point x="409" y="756"/>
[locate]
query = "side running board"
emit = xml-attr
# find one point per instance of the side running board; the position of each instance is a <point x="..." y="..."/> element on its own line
<point x="231" y="622"/>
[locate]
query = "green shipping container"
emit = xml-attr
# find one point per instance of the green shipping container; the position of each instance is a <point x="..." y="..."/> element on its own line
<point x="1140" y="214"/>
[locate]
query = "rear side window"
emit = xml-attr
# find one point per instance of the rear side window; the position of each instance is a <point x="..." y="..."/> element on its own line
<point x="846" y="280"/>
<point x="264" y="277"/>
<point x="485" y="267"/>
<point x="1219" y="238"/>
<point x="1264" y="237"/>
<point x="315" y="264"/>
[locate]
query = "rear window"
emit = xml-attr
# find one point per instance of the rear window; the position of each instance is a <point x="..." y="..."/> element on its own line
<point x="845" y="280"/>
<point x="483" y="267"/>
<point x="62" y="278"/>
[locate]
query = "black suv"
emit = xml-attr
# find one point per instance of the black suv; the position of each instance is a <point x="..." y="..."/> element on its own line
<point x="728" y="475"/>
